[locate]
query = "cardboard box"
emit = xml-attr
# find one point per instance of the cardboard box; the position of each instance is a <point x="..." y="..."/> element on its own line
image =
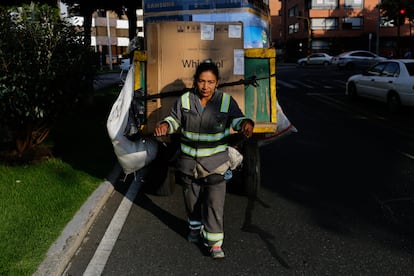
<point x="174" y="49"/>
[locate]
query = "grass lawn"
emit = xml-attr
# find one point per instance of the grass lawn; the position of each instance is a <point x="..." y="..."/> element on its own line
<point x="37" y="201"/>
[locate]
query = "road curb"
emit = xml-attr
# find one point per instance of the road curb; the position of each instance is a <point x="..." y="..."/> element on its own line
<point x="63" y="249"/>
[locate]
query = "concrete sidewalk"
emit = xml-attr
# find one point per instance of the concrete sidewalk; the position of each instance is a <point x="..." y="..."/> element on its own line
<point x="107" y="79"/>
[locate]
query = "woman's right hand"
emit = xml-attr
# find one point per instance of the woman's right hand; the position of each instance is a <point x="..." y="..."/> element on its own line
<point x="161" y="129"/>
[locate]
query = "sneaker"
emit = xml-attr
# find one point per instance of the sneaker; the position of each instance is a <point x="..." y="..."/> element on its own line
<point x="194" y="236"/>
<point x="216" y="252"/>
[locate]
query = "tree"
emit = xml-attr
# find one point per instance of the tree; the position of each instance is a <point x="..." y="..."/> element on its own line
<point x="87" y="7"/>
<point x="43" y="69"/>
<point x="131" y="7"/>
<point x="27" y="2"/>
<point x="397" y="10"/>
<point x="84" y="9"/>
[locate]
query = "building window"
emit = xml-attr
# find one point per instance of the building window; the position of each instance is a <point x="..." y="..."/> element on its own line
<point x="101" y="13"/>
<point x="354" y="4"/>
<point x="325" y="4"/>
<point x="293" y="28"/>
<point x="352" y="23"/>
<point x="320" y="44"/>
<point x="293" y="11"/>
<point x="324" y="23"/>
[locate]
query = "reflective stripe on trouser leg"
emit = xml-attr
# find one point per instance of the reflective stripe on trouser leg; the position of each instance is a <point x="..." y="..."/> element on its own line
<point x="213" y="209"/>
<point x="194" y="224"/>
<point x="211" y="239"/>
<point x="191" y="192"/>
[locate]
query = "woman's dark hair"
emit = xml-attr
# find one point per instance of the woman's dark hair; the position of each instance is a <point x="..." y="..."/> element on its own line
<point x="206" y="65"/>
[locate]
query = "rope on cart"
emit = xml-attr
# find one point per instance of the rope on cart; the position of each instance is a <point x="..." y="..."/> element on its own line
<point x="250" y="81"/>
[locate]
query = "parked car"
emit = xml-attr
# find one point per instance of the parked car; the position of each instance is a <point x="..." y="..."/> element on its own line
<point x="390" y="81"/>
<point x="125" y="65"/>
<point x="355" y="59"/>
<point x="316" y="59"/>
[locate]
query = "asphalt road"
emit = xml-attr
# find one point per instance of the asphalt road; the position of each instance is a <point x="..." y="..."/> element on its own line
<point x="104" y="80"/>
<point x="336" y="199"/>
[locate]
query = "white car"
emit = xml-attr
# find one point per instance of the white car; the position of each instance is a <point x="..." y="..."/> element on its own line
<point x="354" y="59"/>
<point x="125" y="64"/>
<point x="316" y="59"/>
<point x="390" y="81"/>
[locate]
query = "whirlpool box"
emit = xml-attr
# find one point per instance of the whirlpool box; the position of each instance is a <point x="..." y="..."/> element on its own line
<point x="174" y="49"/>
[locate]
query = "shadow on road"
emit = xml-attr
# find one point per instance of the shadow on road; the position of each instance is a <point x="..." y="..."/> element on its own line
<point x="175" y="223"/>
<point x="266" y="237"/>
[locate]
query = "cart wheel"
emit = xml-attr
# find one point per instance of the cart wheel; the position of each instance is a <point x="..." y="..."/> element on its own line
<point x="251" y="168"/>
<point x="167" y="187"/>
<point x="161" y="178"/>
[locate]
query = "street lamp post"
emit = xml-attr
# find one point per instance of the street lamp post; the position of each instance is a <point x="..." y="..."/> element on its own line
<point x="378" y="28"/>
<point x="108" y="30"/>
<point x="309" y="32"/>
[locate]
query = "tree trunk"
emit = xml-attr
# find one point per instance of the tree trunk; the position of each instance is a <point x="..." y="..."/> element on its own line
<point x="86" y="12"/>
<point x="132" y="20"/>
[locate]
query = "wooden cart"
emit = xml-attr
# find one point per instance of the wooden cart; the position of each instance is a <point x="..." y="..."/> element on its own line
<point x="259" y="95"/>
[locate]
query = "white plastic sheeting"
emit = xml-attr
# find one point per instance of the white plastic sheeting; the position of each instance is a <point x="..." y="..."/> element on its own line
<point x="284" y="127"/>
<point x="132" y="155"/>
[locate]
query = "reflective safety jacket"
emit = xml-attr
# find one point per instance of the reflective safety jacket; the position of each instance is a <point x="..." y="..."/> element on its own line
<point x="204" y="131"/>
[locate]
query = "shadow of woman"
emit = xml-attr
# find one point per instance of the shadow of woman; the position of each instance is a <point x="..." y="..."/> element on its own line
<point x="173" y="222"/>
<point x="266" y="237"/>
<point x="176" y="224"/>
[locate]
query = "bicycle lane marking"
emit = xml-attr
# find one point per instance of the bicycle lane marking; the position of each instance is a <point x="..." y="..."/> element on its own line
<point x="102" y="253"/>
<point x="285" y="84"/>
<point x="368" y="115"/>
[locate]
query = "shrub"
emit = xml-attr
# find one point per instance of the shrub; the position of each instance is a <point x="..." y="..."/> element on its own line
<point x="44" y="69"/>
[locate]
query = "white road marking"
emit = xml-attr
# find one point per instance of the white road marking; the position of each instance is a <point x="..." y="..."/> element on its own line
<point x="340" y="82"/>
<point x="407" y="155"/>
<point x="303" y="84"/>
<point x="361" y="114"/>
<point x="99" y="259"/>
<point x="323" y="94"/>
<point x="337" y="104"/>
<point x="286" y="84"/>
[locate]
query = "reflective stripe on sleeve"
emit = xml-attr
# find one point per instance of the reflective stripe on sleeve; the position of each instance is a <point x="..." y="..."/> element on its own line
<point x="236" y="123"/>
<point x="174" y="125"/>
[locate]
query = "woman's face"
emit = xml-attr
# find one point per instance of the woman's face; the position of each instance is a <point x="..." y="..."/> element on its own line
<point x="206" y="84"/>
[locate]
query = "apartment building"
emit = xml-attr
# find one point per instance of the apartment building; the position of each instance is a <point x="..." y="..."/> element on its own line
<point x="335" y="26"/>
<point x="298" y="27"/>
<point x="110" y="31"/>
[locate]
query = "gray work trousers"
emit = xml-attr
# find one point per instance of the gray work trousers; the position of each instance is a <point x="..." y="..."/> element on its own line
<point x="204" y="201"/>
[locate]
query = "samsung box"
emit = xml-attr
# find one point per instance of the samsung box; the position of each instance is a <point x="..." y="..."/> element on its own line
<point x="255" y="15"/>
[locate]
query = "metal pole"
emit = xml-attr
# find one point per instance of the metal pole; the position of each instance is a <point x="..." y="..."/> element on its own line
<point x="108" y="30"/>
<point x="309" y="33"/>
<point x="378" y="27"/>
<point x="369" y="41"/>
